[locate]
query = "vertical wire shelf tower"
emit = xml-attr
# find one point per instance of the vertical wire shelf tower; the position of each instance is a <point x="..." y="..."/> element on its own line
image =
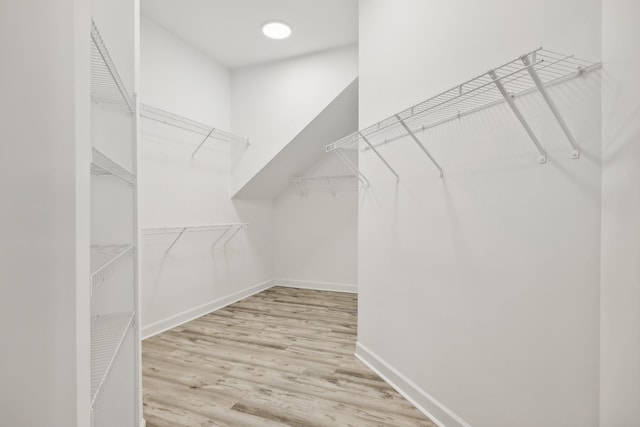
<point x="108" y="331"/>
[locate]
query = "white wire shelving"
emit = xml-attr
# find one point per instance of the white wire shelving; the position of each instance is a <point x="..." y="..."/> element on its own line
<point x="175" y="120"/>
<point x="106" y="85"/>
<point x="105" y="260"/>
<point x="108" y="332"/>
<point x="330" y="181"/>
<point x="103" y="165"/>
<point x="228" y="232"/>
<point x="533" y="71"/>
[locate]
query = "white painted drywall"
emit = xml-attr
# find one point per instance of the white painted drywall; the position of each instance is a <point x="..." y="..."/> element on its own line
<point x="336" y="120"/>
<point x="271" y="103"/>
<point x="181" y="79"/>
<point x="620" y="286"/>
<point x="482" y="288"/>
<point x="178" y="189"/>
<point x="44" y="257"/>
<point x="316" y="227"/>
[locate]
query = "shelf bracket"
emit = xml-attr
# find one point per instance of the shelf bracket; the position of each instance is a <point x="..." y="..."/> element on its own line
<point x="224" y="233"/>
<point x="202" y="143"/>
<point x="507" y="97"/>
<point x="231" y="237"/>
<point x="364" y="138"/>
<point x="575" y="149"/>
<point x="417" y="141"/>
<point x="175" y="241"/>
<point x="363" y="180"/>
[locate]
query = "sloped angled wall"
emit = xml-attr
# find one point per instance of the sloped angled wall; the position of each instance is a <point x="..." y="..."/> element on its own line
<point x="336" y="120"/>
<point x="271" y="103"/>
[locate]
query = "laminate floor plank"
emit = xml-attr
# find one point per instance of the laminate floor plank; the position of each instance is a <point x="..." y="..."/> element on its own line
<point x="283" y="357"/>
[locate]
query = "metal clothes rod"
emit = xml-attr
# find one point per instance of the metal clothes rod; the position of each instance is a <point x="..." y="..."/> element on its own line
<point x="533" y="71"/>
<point x="180" y="230"/>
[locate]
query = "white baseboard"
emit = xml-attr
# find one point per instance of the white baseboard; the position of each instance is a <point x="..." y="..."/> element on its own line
<point x="193" y="313"/>
<point x="319" y="286"/>
<point x="423" y="401"/>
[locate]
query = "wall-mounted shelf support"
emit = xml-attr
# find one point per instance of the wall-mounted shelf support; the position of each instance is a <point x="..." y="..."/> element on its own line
<point x="364" y="138"/>
<point x="234" y="228"/>
<point x="175" y="241"/>
<point x="417" y="141"/>
<point x="508" y="98"/>
<point x="202" y="143"/>
<point x="363" y="180"/>
<point x="575" y="149"/>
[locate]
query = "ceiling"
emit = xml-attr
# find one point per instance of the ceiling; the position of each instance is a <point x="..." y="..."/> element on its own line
<point x="230" y="31"/>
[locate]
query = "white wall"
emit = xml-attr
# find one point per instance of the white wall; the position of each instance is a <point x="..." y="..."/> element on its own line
<point x="316" y="227"/>
<point x="44" y="259"/>
<point x="620" y="287"/>
<point x="271" y="103"/>
<point x="176" y="189"/>
<point x="479" y="291"/>
<point x="181" y="79"/>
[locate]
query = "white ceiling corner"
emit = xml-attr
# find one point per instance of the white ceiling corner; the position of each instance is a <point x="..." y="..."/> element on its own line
<point x="230" y="31"/>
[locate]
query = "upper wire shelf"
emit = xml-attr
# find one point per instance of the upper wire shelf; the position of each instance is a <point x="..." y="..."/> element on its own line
<point x="229" y="230"/>
<point x="105" y="259"/>
<point x="107" y="335"/>
<point x="103" y="165"/>
<point x="171" y="119"/>
<point x="106" y="85"/>
<point x="532" y="71"/>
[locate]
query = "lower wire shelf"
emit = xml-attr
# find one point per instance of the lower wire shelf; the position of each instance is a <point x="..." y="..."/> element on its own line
<point x="107" y="335"/>
<point x="103" y="165"/>
<point x="104" y="261"/>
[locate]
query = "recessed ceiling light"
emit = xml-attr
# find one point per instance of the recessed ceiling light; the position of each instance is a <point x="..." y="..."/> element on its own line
<point x="276" y="30"/>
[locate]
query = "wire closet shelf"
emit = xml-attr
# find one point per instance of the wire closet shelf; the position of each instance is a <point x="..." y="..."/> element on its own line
<point x="532" y="71"/>
<point x="229" y="231"/>
<point x="108" y="332"/>
<point x="105" y="260"/>
<point x="103" y="165"/>
<point x="171" y="119"/>
<point x="106" y="85"/>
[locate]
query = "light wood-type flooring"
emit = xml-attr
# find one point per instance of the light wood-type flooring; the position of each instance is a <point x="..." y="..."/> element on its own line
<point x="283" y="357"/>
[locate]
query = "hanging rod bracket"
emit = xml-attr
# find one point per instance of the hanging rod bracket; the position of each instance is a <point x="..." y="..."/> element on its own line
<point x="202" y="143"/>
<point x="175" y="241"/>
<point x="575" y="149"/>
<point x="235" y="227"/>
<point x="364" y="138"/>
<point x="354" y="170"/>
<point x="542" y="158"/>
<point x="417" y="141"/>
